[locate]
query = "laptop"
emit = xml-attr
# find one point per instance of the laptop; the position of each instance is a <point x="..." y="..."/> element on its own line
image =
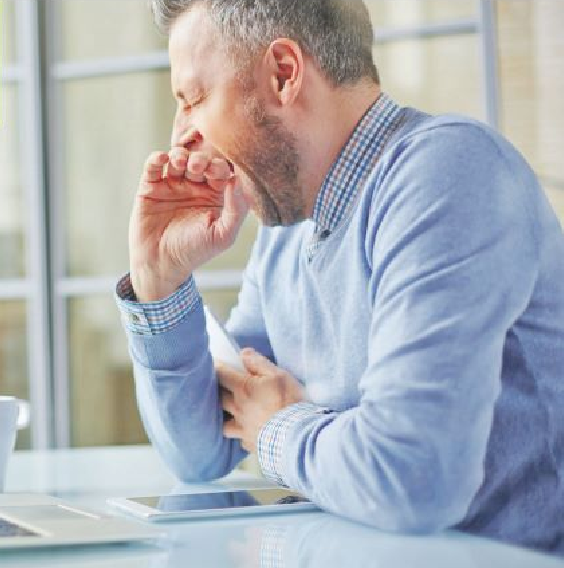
<point x="29" y="520"/>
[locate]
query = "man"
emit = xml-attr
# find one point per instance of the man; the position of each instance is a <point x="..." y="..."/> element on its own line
<point x="403" y="308"/>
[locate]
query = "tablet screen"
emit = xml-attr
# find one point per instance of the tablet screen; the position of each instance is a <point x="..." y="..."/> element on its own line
<point x="223" y="500"/>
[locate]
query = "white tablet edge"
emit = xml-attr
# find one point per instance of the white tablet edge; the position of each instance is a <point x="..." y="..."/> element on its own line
<point x="154" y="515"/>
<point x="222" y="346"/>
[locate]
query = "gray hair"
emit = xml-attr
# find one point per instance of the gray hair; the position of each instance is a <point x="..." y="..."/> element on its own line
<point x="337" y="34"/>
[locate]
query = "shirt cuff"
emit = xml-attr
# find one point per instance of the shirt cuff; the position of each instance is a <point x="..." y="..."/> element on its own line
<point x="153" y="318"/>
<point x="271" y="438"/>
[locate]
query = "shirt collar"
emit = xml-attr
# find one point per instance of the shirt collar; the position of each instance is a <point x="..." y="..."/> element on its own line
<point x="354" y="163"/>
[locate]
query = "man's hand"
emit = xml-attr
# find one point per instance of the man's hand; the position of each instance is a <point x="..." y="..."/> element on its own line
<point x="188" y="209"/>
<point x="252" y="398"/>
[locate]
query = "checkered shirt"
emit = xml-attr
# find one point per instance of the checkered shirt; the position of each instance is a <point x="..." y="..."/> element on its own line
<point x="271" y="438"/>
<point x="155" y="317"/>
<point x="352" y="168"/>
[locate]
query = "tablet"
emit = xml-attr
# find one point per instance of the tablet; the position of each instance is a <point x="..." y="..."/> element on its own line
<point x="201" y="505"/>
<point x="222" y="346"/>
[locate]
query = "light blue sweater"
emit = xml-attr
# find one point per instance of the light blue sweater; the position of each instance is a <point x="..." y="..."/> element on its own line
<point x="431" y="320"/>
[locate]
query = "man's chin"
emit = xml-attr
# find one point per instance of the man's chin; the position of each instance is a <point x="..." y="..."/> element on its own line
<point x="265" y="220"/>
<point x="266" y="210"/>
<point x="275" y="221"/>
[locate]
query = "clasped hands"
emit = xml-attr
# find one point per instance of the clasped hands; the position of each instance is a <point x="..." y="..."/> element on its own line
<point x="254" y="396"/>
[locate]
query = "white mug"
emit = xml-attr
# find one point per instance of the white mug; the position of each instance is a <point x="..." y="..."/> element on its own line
<point x="14" y="415"/>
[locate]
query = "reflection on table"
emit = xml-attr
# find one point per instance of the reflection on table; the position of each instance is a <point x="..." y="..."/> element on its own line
<point x="308" y="540"/>
<point x="318" y="540"/>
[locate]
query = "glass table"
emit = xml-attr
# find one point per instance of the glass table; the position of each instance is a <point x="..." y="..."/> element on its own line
<point x="308" y="540"/>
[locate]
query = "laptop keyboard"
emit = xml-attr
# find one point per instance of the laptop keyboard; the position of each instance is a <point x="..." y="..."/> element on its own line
<point x="9" y="529"/>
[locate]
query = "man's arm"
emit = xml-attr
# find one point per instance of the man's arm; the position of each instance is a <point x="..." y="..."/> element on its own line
<point x="176" y="385"/>
<point x="454" y="263"/>
<point x="188" y="209"/>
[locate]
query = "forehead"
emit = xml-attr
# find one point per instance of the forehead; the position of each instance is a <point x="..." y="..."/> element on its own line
<point x="193" y="48"/>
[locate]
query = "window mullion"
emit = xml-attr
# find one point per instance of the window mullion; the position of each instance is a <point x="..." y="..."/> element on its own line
<point x="488" y="38"/>
<point x="33" y="170"/>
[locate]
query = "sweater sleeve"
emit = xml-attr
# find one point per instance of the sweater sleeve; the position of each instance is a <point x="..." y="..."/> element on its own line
<point x="451" y="246"/>
<point x="176" y="385"/>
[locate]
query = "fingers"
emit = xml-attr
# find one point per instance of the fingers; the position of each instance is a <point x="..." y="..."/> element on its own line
<point x="233" y="214"/>
<point x="218" y="169"/>
<point x="218" y="174"/>
<point x="256" y="363"/>
<point x="232" y="430"/>
<point x="178" y="159"/>
<point x="196" y="166"/>
<point x="192" y="166"/>
<point x="181" y="174"/>
<point x="228" y="402"/>
<point x="200" y="167"/>
<point x="228" y="377"/>
<point x="153" y="169"/>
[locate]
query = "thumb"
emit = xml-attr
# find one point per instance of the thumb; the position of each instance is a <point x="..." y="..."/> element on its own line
<point x="235" y="209"/>
<point x="256" y="363"/>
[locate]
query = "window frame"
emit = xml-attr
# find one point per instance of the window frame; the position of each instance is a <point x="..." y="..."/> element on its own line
<point x="46" y="288"/>
<point x="33" y="288"/>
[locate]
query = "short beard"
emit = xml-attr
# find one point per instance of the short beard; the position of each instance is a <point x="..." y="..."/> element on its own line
<point x="274" y="161"/>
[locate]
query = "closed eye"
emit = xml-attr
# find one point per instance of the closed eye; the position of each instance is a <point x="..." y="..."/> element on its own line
<point x="189" y="103"/>
<point x="196" y="101"/>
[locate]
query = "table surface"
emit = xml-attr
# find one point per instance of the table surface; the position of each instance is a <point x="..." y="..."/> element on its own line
<point x="312" y="540"/>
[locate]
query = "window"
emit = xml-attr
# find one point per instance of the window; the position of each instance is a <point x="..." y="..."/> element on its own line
<point x="531" y="64"/>
<point x="16" y="293"/>
<point x="86" y="97"/>
<point x="418" y="45"/>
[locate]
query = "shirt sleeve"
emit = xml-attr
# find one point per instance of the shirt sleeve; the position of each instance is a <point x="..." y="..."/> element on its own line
<point x="273" y="434"/>
<point x="176" y="384"/>
<point x="454" y="259"/>
<point x="154" y="317"/>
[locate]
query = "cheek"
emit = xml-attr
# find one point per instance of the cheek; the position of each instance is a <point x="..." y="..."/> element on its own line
<point x="214" y="136"/>
<point x="224" y="125"/>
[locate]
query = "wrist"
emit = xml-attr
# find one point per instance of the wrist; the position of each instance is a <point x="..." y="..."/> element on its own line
<point x="149" y="288"/>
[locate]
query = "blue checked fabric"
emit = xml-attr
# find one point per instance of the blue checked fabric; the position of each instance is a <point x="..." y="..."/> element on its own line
<point x="155" y="317"/>
<point x="352" y="168"/>
<point x="271" y="438"/>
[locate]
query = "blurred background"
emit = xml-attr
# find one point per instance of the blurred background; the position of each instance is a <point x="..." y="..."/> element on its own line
<point x="85" y="97"/>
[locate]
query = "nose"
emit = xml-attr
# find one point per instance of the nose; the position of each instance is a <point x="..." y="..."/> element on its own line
<point x="184" y="132"/>
<point x="186" y="135"/>
<point x="188" y="138"/>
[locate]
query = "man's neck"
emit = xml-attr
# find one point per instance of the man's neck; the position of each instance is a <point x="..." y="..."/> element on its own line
<point x="335" y="123"/>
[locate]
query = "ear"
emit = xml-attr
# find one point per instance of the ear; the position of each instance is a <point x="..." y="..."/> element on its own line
<point x="284" y="63"/>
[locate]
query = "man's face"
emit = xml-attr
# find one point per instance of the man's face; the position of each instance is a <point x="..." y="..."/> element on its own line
<point x="232" y="121"/>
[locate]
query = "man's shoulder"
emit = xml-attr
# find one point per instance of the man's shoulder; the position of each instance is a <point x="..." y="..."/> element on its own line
<point x="450" y="166"/>
<point x="444" y="130"/>
<point x="443" y="145"/>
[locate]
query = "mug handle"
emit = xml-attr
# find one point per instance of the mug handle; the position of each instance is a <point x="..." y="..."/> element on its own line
<point x="23" y="414"/>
